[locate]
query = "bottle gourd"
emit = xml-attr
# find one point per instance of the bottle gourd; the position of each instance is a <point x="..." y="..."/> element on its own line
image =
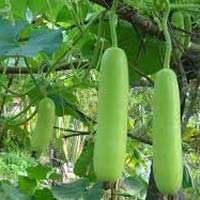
<point x="167" y="147"/>
<point x="44" y="126"/>
<point x="112" y="108"/>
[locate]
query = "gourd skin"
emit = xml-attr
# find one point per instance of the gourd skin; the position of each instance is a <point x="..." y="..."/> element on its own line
<point x="44" y="126"/>
<point x="167" y="147"/>
<point x="111" y="136"/>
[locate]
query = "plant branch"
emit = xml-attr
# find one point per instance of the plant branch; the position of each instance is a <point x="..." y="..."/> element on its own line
<point x="138" y="71"/>
<point x="23" y="111"/>
<point x="131" y="15"/>
<point x="25" y="120"/>
<point x="72" y="131"/>
<point x="25" y="70"/>
<point x="76" y="134"/>
<point x="140" y="139"/>
<point x="81" y="133"/>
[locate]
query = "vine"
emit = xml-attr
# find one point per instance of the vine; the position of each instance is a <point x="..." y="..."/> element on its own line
<point x="113" y="20"/>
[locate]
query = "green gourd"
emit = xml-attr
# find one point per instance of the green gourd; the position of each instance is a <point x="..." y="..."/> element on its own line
<point x="112" y="112"/>
<point x="44" y="126"/>
<point x="167" y="147"/>
<point x="178" y="22"/>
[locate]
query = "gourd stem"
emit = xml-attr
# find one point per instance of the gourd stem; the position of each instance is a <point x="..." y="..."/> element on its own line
<point x="167" y="38"/>
<point x="112" y="20"/>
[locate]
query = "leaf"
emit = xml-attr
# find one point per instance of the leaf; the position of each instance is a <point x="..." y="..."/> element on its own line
<point x="130" y="40"/>
<point x="66" y="107"/>
<point x="43" y="194"/>
<point x="87" y="45"/>
<point x="133" y="185"/>
<point x="18" y="8"/>
<point x="2" y="5"/>
<point x="65" y="17"/>
<point x="8" y="35"/>
<point x="38" y="9"/>
<point x="55" y="176"/>
<point x="152" y="50"/>
<point x="38" y="172"/>
<point x="187" y="180"/>
<point x="63" y="91"/>
<point x="40" y="40"/>
<point x="64" y="99"/>
<point x="62" y="107"/>
<point x="8" y="192"/>
<point x="70" y="191"/>
<point x="27" y="185"/>
<point x="77" y="190"/>
<point x="94" y="193"/>
<point x="137" y="154"/>
<point x="152" y="55"/>
<point x="84" y="164"/>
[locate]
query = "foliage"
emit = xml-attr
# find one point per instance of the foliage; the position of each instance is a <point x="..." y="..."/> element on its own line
<point x="11" y="164"/>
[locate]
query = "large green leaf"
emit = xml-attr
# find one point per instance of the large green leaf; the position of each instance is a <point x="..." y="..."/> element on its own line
<point x="65" y="107"/>
<point x="133" y="185"/>
<point x="95" y="192"/>
<point x="70" y="191"/>
<point x="87" y="45"/>
<point x="63" y="97"/>
<point x="8" y="35"/>
<point x="187" y="179"/>
<point x="19" y="7"/>
<point x="27" y="185"/>
<point x="8" y="192"/>
<point x="84" y="164"/>
<point x="43" y="194"/>
<point x="78" y="190"/>
<point x="146" y="53"/>
<point x="38" y="172"/>
<point x="54" y="9"/>
<point x="2" y="4"/>
<point x="55" y="176"/>
<point x="4" y="8"/>
<point x="152" y="55"/>
<point x="65" y="17"/>
<point x="40" y="40"/>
